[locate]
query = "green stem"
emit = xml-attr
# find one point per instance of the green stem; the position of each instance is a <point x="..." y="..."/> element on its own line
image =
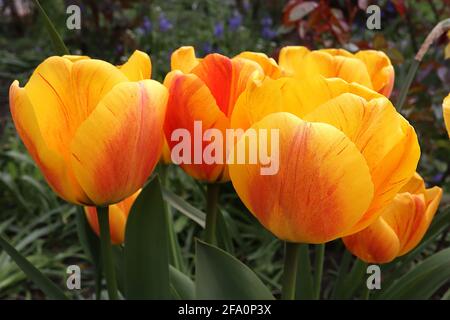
<point x="175" y="253"/>
<point x="291" y="255"/>
<point x="58" y="43"/>
<point x="305" y="287"/>
<point x="437" y="31"/>
<point x="318" y="269"/>
<point x="106" y="252"/>
<point x="212" y="198"/>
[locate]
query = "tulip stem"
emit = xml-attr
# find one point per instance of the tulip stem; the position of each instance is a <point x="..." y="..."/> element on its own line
<point x="291" y="254"/>
<point x="437" y="31"/>
<point x="318" y="269"/>
<point x="212" y="198"/>
<point x="106" y="252"/>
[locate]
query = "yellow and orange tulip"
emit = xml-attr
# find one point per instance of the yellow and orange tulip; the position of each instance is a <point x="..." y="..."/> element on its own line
<point x="370" y="68"/>
<point x="446" y="113"/>
<point x="118" y="214"/>
<point x="401" y="225"/>
<point x="205" y="90"/>
<point x="94" y="130"/>
<point x="344" y="153"/>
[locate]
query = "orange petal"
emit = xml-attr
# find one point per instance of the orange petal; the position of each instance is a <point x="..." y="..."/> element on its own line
<point x="138" y="67"/>
<point x="184" y="59"/>
<point x="376" y="244"/>
<point x="269" y="65"/>
<point x="63" y="95"/>
<point x="302" y="63"/>
<point x="386" y="140"/>
<point x="117" y="147"/>
<point x="118" y="214"/>
<point x="421" y="224"/>
<point x="226" y="78"/>
<point x="322" y="188"/>
<point x="190" y="100"/>
<point x="380" y="70"/>
<point x="446" y="113"/>
<point x="299" y="97"/>
<point x="52" y="164"/>
<point x="415" y="185"/>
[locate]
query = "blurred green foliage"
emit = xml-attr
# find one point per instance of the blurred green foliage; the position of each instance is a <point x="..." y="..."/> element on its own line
<point x="42" y="226"/>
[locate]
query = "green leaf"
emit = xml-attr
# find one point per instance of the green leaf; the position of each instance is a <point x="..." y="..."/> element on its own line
<point x="219" y="275"/>
<point x="182" y="286"/>
<point x="146" y="246"/>
<point x="57" y="41"/>
<point x="224" y="239"/>
<point x="423" y="280"/>
<point x="185" y="208"/>
<point x="44" y="283"/>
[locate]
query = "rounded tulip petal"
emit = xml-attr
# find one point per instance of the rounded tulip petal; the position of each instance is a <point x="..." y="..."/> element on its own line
<point x="190" y="100"/>
<point x="299" y="97"/>
<point x="184" y="59"/>
<point x="422" y="222"/>
<point x="302" y="63"/>
<point x="65" y="93"/>
<point x="117" y="147"/>
<point x="376" y="244"/>
<point x="138" y="67"/>
<point x="269" y="65"/>
<point x="322" y="188"/>
<point x="52" y="165"/>
<point x="291" y="58"/>
<point x="386" y="140"/>
<point x="446" y="112"/>
<point x="226" y="78"/>
<point x="380" y="70"/>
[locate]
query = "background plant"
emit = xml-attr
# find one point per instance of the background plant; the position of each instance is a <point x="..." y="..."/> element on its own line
<point x="43" y="228"/>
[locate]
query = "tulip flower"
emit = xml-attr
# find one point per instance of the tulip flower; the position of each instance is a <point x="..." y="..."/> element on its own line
<point x="269" y="65"/>
<point x="446" y="112"/>
<point x="118" y="214"/>
<point x="401" y="225"/>
<point x="94" y="130"/>
<point x="344" y="153"/>
<point x="369" y="68"/>
<point x="204" y="91"/>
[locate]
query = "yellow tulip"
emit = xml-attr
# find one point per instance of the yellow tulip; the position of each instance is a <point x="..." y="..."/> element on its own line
<point x="446" y="113"/>
<point x="370" y="68"/>
<point x="344" y="153"/>
<point x="94" y="130"/>
<point x="118" y="214"/>
<point x="204" y="90"/>
<point x="401" y="225"/>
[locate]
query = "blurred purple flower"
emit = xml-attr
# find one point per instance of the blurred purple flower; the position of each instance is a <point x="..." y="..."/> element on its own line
<point x="146" y="25"/>
<point x="218" y="29"/>
<point x="266" y="22"/>
<point x="246" y="5"/>
<point x="438" y="178"/>
<point x="235" y="21"/>
<point x="268" y="33"/>
<point x="164" y="23"/>
<point x="207" y="48"/>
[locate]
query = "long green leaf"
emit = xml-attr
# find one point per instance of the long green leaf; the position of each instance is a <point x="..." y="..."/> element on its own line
<point x="185" y="208"/>
<point x="57" y="41"/>
<point x="423" y="280"/>
<point x="221" y="276"/>
<point x="44" y="283"/>
<point x="146" y="246"/>
<point x="183" y="287"/>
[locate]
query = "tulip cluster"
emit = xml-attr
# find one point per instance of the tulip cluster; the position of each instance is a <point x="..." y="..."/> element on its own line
<point x="347" y="158"/>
